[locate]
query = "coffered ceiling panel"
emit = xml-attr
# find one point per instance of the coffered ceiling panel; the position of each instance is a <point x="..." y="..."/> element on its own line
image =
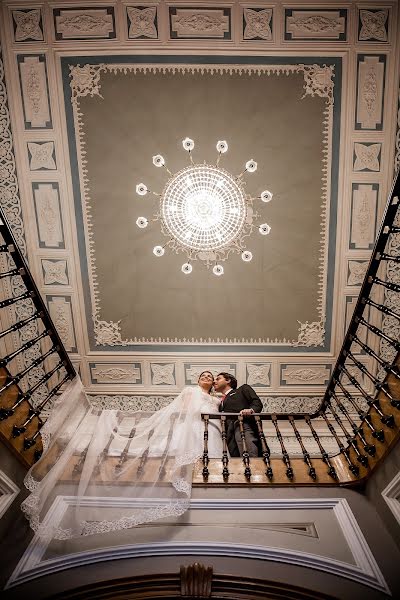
<point x="93" y="90"/>
<point x="280" y="114"/>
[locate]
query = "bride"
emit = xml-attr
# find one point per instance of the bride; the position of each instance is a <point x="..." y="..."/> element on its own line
<point x="106" y="470"/>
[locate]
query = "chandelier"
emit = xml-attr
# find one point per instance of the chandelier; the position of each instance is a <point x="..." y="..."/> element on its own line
<point x="204" y="211"/>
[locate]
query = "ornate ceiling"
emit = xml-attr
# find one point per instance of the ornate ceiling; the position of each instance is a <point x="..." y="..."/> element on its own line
<point x="95" y="89"/>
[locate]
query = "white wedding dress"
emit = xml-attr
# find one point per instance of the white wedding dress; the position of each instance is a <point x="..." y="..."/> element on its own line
<point x="116" y="469"/>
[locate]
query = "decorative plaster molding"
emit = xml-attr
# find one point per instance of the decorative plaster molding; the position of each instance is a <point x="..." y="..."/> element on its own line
<point x="130" y="403"/>
<point x="108" y="333"/>
<point x="315" y="25"/>
<point x="356" y="271"/>
<point x="371" y="74"/>
<point x="55" y="272"/>
<point x="192" y="371"/>
<point x="116" y="372"/>
<point x="9" y="190"/>
<point x="310" y="334"/>
<point x="391" y="325"/>
<point x="48" y="213"/>
<point x="84" y="23"/>
<point x="61" y="313"/>
<point x="142" y="22"/>
<point x="258" y="374"/>
<point x="8" y="492"/>
<point x="302" y="375"/>
<point x="162" y="373"/>
<point x="35" y="93"/>
<point x="257" y="24"/>
<point x="373" y="25"/>
<point x="151" y="402"/>
<point x="397" y="144"/>
<point x="318" y="81"/>
<point x="41" y="156"/>
<point x="391" y="495"/>
<point x="367" y="157"/>
<point x="193" y="23"/>
<point x="28" y="25"/>
<point x="362" y="568"/>
<point x="14" y="286"/>
<point x="363" y="217"/>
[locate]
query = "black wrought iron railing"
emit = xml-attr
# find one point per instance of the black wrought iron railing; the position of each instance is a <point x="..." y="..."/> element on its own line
<point x="349" y="367"/>
<point x="34" y="364"/>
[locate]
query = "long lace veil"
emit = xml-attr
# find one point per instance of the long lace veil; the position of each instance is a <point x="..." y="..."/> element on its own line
<point x="105" y="470"/>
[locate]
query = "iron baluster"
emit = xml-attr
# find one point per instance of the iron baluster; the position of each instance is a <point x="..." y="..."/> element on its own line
<point x="387" y="420"/>
<point x="20" y="324"/>
<point x="124" y="454"/>
<point x="225" y="457"/>
<point x="7" y="412"/>
<point x="104" y="453"/>
<point x="386" y="366"/>
<point x="77" y="470"/>
<point x="11" y="273"/>
<point x="306" y="455"/>
<point x="350" y="439"/>
<point x="369" y="448"/>
<point x="331" y="469"/>
<point x="245" y="453"/>
<point x="379" y="333"/>
<point x="7" y="359"/>
<point x="384" y="309"/>
<point x="18" y="429"/>
<point x="11" y="301"/>
<point x="17" y="378"/>
<point x="266" y="453"/>
<point x="285" y="455"/>
<point x="385" y="256"/>
<point x="206" y="460"/>
<point x="394" y="287"/>
<point x="378" y="384"/>
<point x="352" y="467"/>
<point x="29" y="442"/>
<point x="161" y="470"/>
<point x="143" y="458"/>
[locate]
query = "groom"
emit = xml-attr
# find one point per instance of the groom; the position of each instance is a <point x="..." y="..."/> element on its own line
<point x="241" y="400"/>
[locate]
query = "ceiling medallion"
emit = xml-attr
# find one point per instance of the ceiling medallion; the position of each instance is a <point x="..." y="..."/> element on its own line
<point x="204" y="211"/>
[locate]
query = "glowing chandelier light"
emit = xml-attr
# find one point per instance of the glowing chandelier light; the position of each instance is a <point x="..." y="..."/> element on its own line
<point x="204" y="211"/>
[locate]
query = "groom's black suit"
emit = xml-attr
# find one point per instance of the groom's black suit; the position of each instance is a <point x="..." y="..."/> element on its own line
<point x="235" y="401"/>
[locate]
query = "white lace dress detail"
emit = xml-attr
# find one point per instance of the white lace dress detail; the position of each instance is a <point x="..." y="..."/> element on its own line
<point x="117" y="469"/>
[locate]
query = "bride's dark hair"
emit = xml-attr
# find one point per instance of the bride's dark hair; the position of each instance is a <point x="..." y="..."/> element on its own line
<point x="211" y="386"/>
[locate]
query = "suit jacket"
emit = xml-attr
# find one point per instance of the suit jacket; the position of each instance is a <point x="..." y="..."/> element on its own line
<point x="242" y="397"/>
<point x="235" y="401"/>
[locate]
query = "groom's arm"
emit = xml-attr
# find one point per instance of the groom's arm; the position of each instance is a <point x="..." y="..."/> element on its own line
<point x="252" y="398"/>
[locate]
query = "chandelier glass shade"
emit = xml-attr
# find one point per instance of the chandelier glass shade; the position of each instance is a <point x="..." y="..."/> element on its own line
<point x="204" y="211"/>
<point x="203" y="207"/>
